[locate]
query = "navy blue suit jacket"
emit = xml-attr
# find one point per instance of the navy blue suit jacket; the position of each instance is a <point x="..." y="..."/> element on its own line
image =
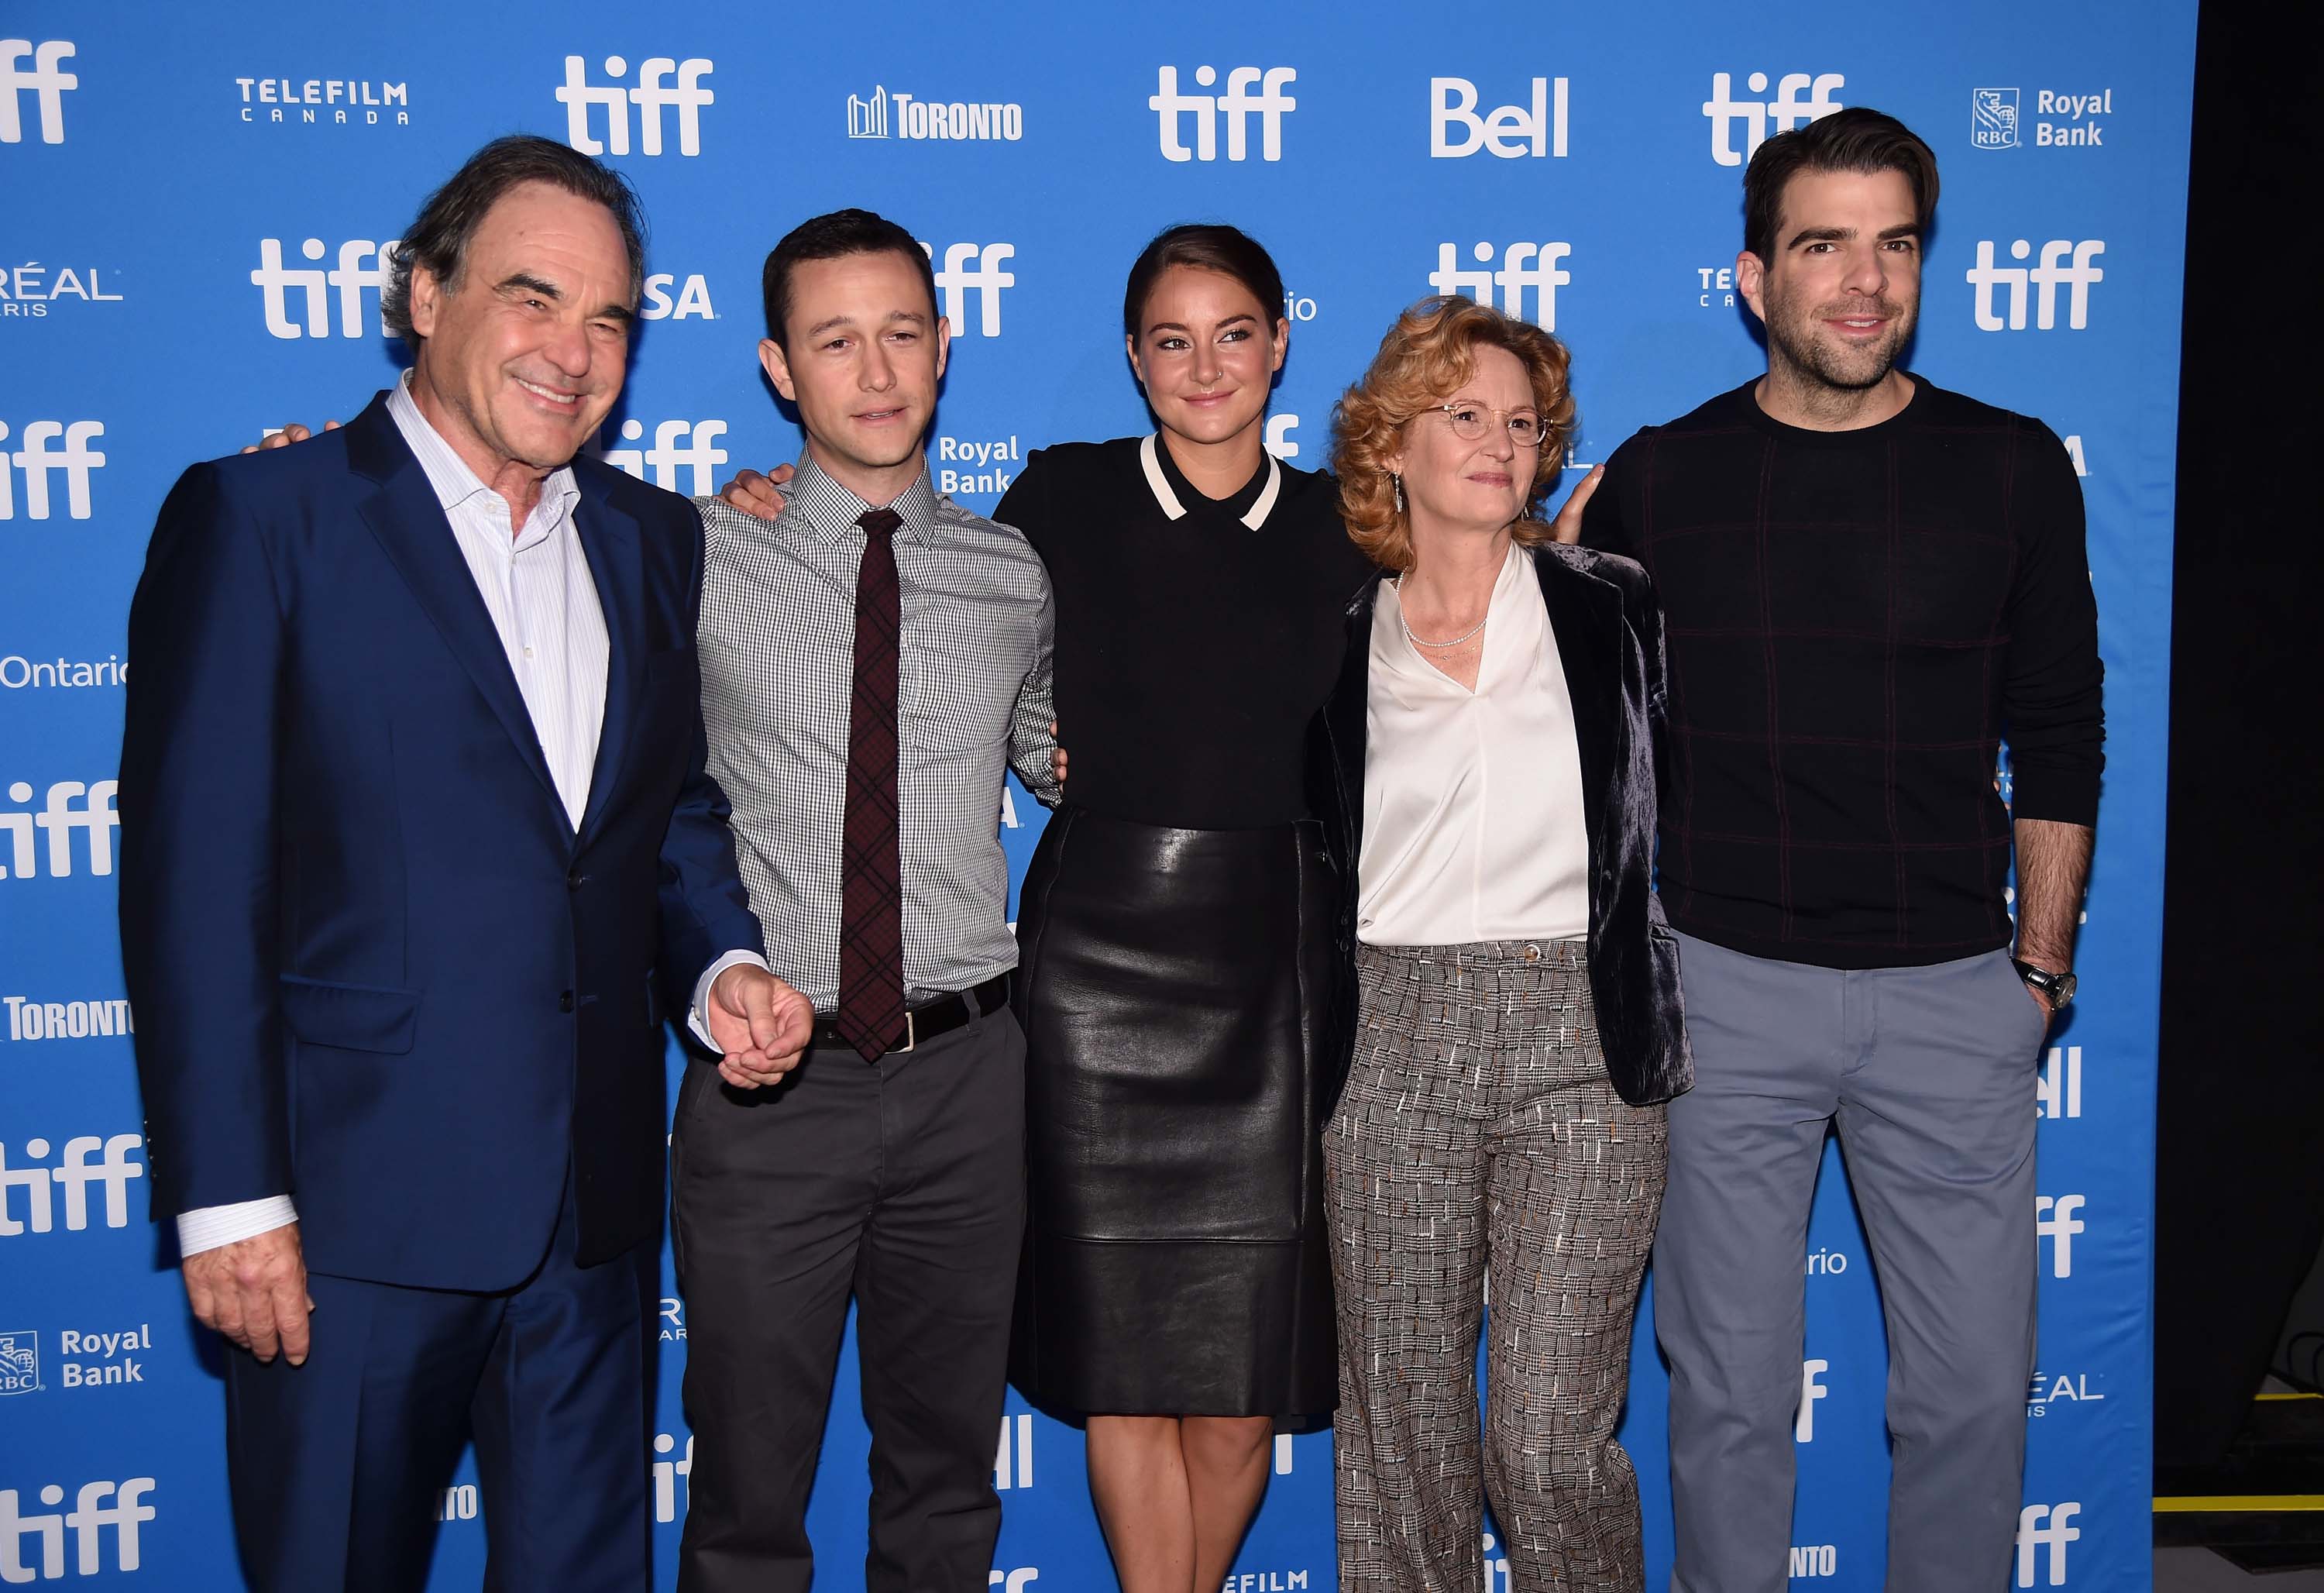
<point x="374" y="967"/>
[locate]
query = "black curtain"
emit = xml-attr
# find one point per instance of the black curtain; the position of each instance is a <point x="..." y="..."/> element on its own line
<point x="2240" y="1174"/>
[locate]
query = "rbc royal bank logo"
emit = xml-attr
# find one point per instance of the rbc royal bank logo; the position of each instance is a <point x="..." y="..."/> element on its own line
<point x="1761" y="117"/>
<point x="68" y="806"/>
<point x="361" y="268"/>
<point x="1522" y="267"/>
<point x="46" y="81"/>
<point x="2041" y="1527"/>
<point x="36" y="460"/>
<point x="2065" y="263"/>
<point x="1235" y="107"/>
<point x="1455" y="129"/>
<point x="20" y="1363"/>
<point x="87" y="1522"/>
<point x="112" y="1169"/>
<point x="973" y="268"/>
<point x="676" y="445"/>
<point x="652" y="95"/>
<point x="931" y="119"/>
<point x="1993" y="118"/>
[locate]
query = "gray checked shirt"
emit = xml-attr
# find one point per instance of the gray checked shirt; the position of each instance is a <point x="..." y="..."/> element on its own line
<point x="973" y="696"/>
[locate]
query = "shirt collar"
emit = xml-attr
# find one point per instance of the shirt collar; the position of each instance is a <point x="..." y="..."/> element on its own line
<point x="1152" y="458"/>
<point x="448" y="473"/>
<point x="831" y="511"/>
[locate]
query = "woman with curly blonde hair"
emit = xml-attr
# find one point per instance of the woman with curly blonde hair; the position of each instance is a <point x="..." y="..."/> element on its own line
<point x="1493" y="740"/>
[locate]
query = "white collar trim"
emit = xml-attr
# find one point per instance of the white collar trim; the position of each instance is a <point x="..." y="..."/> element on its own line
<point x="1160" y="483"/>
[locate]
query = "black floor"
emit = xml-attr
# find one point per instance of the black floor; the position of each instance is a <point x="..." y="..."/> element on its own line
<point x="2256" y="1511"/>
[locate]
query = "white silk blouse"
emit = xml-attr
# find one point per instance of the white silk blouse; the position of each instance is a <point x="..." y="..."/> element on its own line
<point x="1472" y="799"/>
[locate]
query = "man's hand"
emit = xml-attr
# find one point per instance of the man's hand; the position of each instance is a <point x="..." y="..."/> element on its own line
<point x="1057" y="758"/>
<point x="1567" y="527"/>
<point x="754" y="494"/>
<point x="255" y="1292"/>
<point x="293" y="432"/>
<point x="760" y="1024"/>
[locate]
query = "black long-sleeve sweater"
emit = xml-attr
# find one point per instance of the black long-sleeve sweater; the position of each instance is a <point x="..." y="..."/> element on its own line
<point x="1855" y="621"/>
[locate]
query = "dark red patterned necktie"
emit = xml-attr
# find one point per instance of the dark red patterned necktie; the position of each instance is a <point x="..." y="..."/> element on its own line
<point x="870" y="871"/>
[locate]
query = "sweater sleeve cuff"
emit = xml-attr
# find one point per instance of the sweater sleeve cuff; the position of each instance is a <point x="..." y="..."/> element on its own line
<point x="206" y="1227"/>
<point x="2060" y="796"/>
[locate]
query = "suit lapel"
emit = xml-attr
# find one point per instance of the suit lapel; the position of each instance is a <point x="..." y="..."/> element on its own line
<point x="1585" y="614"/>
<point x="610" y="540"/>
<point x="403" y="512"/>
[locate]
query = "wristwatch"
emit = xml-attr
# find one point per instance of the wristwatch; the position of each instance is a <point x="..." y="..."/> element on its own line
<point x="2057" y="989"/>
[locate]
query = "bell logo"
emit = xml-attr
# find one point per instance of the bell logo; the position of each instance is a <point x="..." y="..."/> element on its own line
<point x="87" y="1522"/>
<point x="1811" y="1391"/>
<point x="1523" y="266"/>
<point x="650" y="95"/>
<point x="2065" y="262"/>
<point x="114" y="1170"/>
<point x="2044" y="1526"/>
<point x="2054" y="1220"/>
<point x="1786" y="111"/>
<point x="2058" y="1088"/>
<point x="1012" y="1462"/>
<point x="667" y="455"/>
<point x="36" y="459"/>
<point x="1235" y="107"/>
<point x="47" y="81"/>
<point x="974" y="268"/>
<point x="361" y="266"/>
<point x="1510" y="131"/>
<point x="69" y="806"/>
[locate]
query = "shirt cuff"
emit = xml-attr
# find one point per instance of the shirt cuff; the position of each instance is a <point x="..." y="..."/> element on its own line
<point x="206" y="1227"/>
<point x="697" y="1023"/>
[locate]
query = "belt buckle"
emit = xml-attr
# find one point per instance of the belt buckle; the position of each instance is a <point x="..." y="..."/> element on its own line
<point x="911" y="1035"/>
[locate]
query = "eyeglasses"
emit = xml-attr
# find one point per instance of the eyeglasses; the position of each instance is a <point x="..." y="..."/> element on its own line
<point x="1470" y="420"/>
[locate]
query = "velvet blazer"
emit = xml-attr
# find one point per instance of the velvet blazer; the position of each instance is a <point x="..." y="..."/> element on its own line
<point x="1609" y="639"/>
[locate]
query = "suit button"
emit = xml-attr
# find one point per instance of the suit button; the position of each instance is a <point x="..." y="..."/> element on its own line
<point x="575" y="879"/>
<point x="564" y="1001"/>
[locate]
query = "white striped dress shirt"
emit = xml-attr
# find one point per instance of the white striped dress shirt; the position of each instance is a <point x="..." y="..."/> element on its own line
<point x="535" y="585"/>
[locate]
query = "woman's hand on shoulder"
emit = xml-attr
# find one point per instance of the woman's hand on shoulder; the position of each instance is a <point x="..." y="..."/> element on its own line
<point x="293" y="432"/>
<point x="1567" y="527"/>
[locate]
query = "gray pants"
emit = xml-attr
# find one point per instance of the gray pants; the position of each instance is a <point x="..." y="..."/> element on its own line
<point x="1930" y="1074"/>
<point x="1478" y="1126"/>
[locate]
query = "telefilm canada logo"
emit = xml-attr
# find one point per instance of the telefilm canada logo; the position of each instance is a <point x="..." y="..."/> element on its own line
<point x="902" y="116"/>
<point x="324" y="102"/>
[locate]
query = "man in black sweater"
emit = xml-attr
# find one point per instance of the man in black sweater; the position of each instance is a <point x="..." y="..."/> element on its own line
<point x="1869" y="583"/>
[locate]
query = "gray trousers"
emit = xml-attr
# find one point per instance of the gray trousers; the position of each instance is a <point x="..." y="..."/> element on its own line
<point x="1929" y="1073"/>
<point x="1478" y="1126"/>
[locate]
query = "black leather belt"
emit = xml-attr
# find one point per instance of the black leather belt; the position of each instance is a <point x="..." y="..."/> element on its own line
<point x="924" y="1022"/>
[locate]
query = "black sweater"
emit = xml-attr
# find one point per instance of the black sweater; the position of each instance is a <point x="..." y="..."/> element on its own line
<point x="1855" y="621"/>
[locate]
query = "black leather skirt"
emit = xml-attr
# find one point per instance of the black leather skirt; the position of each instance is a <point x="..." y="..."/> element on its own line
<point x="1174" y="989"/>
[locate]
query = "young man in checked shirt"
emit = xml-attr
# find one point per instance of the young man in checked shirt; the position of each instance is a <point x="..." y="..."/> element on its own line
<point x="872" y="661"/>
<point x="1867" y="583"/>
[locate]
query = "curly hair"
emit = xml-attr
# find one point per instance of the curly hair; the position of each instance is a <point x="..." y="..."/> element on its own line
<point x="1427" y="357"/>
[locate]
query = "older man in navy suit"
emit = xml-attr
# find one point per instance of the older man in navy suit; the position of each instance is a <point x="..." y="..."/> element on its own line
<point x="416" y="836"/>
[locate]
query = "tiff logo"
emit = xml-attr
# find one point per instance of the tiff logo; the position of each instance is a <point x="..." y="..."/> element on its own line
<point x="1786" y="111"/>
<point x="1811" y="1389"/>
<point x="37" y="460"/>
<point x="666" y="1475"/>
<point x="1012" y="1462"/>
<point x="114" y="1170"/>
<point x="667" y="455"/>
<point x="1523" y="266"/>
<point x="2058" y="1088"/>
<point x="2041" y="1526"/>
<point x="1235" y="107"/>
<point x="87" y="1521"/>
<point x="2065" y="262"/>
<point x="362" y="266"/>
<point x="2054" y="1220"/>
<point x="650" y="95"/>
<point x="69" y="806"/>
<point x="47" y="80"/>
<point x="1013" y="1582"/>
<point x="974" y="268"/>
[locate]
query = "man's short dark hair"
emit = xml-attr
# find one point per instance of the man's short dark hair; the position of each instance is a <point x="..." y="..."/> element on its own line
<point x="835" y="236"/>
<point x="438" y="239"/>
<point x="1856" y="139"/>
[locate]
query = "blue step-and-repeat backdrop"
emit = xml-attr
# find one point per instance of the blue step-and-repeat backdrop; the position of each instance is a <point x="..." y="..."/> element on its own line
<point x="200" y="201"/>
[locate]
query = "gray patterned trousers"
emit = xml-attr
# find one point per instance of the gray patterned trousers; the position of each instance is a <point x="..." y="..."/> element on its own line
<point x="1478" y="1148"/>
